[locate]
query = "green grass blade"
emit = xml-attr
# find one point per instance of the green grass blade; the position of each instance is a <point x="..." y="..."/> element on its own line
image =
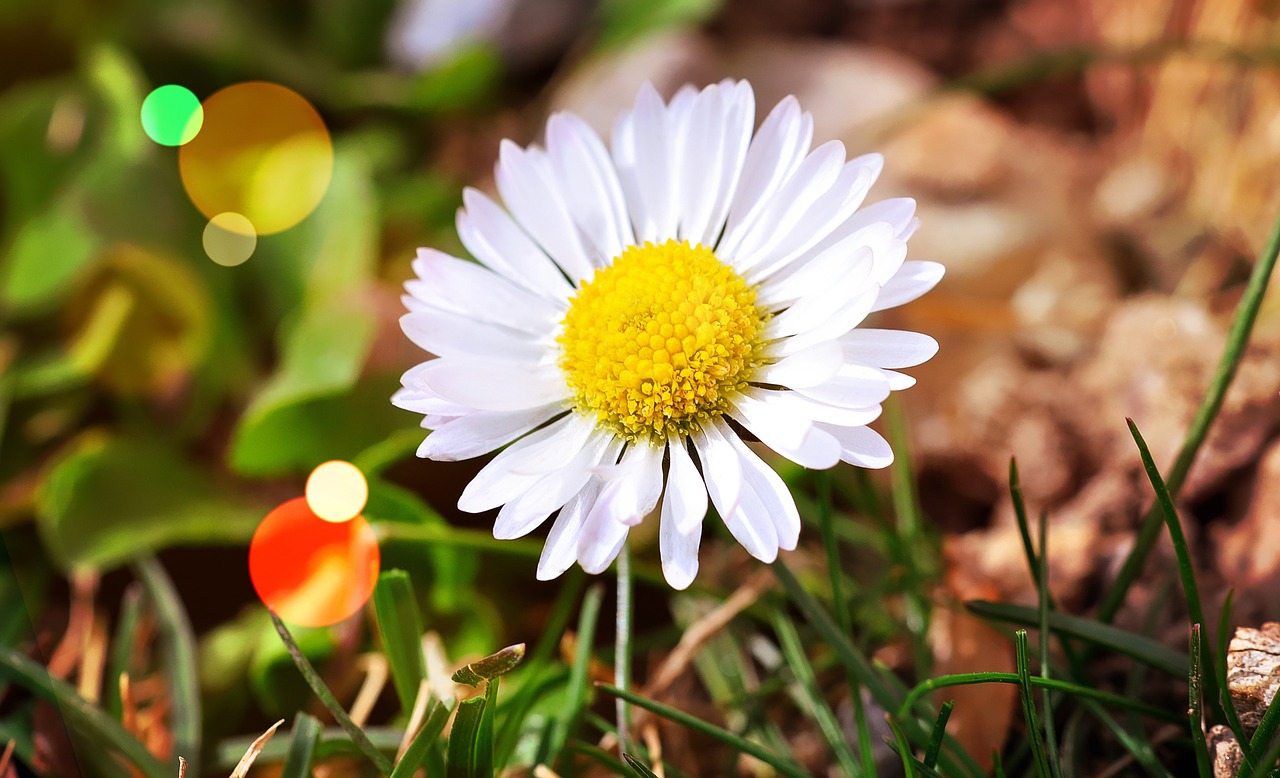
<point x="1140" y="750"/>
<point x="598" y="755"/>
<point x="939" y="729"/>
<point x="1024" y="526"/>
<point x="1042" y="579"/>
<point x="326" y="697"/>
<point x="638" y="767"/>
<point x="302" y="746"/>
<point x="910" y="531"/>
<point x="856" y="662"/>
<point x="1237" y="341"/>
<point x="399" y="624"/>
<point x="968" y="679"/>
<point x="80" y="714"/>
<point x="779" y="762"/>
<point x="1143" y="649"/>
<point x="122" y="648"/>
<point x="464" y="759"/>
<point x="179" y="644"/>
<point x="903" y="748"/>
<point x="578" y="691"/>
<point x="1266" y="727"/>
<point x="819" y="710"/>
<point x="422" y="742"/>
<point x="1195" y="707"/>
<point x="843" y="619"/>
<point x="1267" y="763"/>
<point x="1029" y="705"/>
<point x="1220" y="669"/>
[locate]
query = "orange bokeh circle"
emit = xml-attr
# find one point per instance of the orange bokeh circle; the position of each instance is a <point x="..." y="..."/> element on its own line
<point x="313" y="572"/>
<point x="263" y="152"/>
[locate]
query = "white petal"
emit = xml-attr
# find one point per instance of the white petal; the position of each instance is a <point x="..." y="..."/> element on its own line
<point x="812" y="409"/>
<point x="494" y="238"/>
<point x="751" y="525"/>
<point x="589" y="185"/>
<point x="816" y="310"/>
<point x="854" y="386"/>
<point x="887" y="348"/>
<point x="739" y="120"/>
<point x="531" y="191"/>
<point x="685" y="502"/>
<point x="772" y="493"/>
<point x="634" y="490"/>
<point x="496" y="484"/>
<point x="526" y="512"/>
<point x="451" y="284"/>
<point x="645" y="161"/>
<point x="493" y="385"/>
<point x="862" y="446"/>
<point x="566" y="444"/>
<point x="679" y="550"/>
<point x="850" y="261"/>
<point x="913" y="280"/>
<point x="789" y="433"/>
<point x="720" y="469"/>
<point x="702" y="163"/>
<point x="479" y="433"/>
<point x="775" y="151"/>
<point x="785" y="207"/>
<point x="561" y="549"/>
<point x="813" y="366"/>
<point x="449" y="334"/>
<point x="602" y="533"/>
<point x="898" y="381"/>
<point x="843" y="317"/>
<point x="819" y="214"/>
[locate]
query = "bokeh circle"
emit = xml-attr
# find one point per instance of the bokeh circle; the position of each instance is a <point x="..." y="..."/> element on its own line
<point x="263" y="152"/>
<point x="313" y="572"/>
<point x="229" y="240"/>
<point x="337" y="491"/>
<point x="172" y="115"/>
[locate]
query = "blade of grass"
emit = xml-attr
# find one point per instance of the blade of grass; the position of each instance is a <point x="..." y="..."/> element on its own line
<point x="576" y="694"/>
<point x="910" y="530"/>
<point x="777" y="761"/>
<point x="463" y="755"/>
<point x="598" y="755"/>
<point x="843" y="619"/>
<point x="82" y="715"/>
<point x="1232" y="355"/>
<point x="179" y="643"/>
<point x="1029" y="704"/>
<point x="1042" y="579"/>
<point x="1195" y="710"/>
<point x="302" y="746"/>
<point x="793" y="650"/>
<point x="1267" y="726"/>
<point x="396" y="613"/>
<point x="853" y="659"/>
<point x="638" y="767"/>
<point x="939" y="729"/>
<point x="1143" y="649"/>
<point x="422" y="742"/>
<point x="326" y="698"/>
<point x="1267" y="763"/>
<point x="904" y="747"/>
<point x="122" y="647"/>
<point x="968" y="679"/>
<point x="334" y="741"/>
<point x="1139" y="749"/>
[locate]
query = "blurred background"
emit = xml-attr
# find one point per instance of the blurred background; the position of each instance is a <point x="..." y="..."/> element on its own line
<point x="1097" y="176"/>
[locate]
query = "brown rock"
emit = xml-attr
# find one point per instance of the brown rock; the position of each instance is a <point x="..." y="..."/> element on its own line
<point x="1253" y="671"/>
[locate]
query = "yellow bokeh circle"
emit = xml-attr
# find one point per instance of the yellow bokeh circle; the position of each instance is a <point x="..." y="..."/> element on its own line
<point x="229" y="239"/>
<point x="337" y="491"/>
<point x="263" y="153"/>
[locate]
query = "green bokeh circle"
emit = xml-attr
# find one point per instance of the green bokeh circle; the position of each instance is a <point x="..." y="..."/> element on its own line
<point x="172" y="115"/>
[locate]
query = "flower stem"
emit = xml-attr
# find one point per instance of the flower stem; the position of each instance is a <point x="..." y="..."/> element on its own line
<point x="622" y="645"/>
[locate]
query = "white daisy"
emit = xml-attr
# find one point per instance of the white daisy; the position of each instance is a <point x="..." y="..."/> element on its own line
<point x="635" y="309"/>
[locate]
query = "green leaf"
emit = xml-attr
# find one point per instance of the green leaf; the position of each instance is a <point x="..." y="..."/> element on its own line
<point x="178" y="642"/>
<point x="400" y="627"/>
<point x="464" y="759"/>
<point x="423" y="741"/>
<point x="48" y="253"/>
<point x="80" y="714"/>
<point x="302" y="746"/>
<point x="109" y="500"/>
<point x="1143" y="649"/>
<point x="781" y="763"/>
<point x="624" y="21"/>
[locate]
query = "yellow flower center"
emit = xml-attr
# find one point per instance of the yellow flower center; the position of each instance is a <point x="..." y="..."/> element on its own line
<point x="655" y="342"/>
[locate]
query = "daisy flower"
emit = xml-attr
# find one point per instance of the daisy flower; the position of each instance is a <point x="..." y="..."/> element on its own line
<point x="638" y="311"/>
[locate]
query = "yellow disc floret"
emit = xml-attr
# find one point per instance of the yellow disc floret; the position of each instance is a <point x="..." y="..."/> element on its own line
<point x="655" y="342"/>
